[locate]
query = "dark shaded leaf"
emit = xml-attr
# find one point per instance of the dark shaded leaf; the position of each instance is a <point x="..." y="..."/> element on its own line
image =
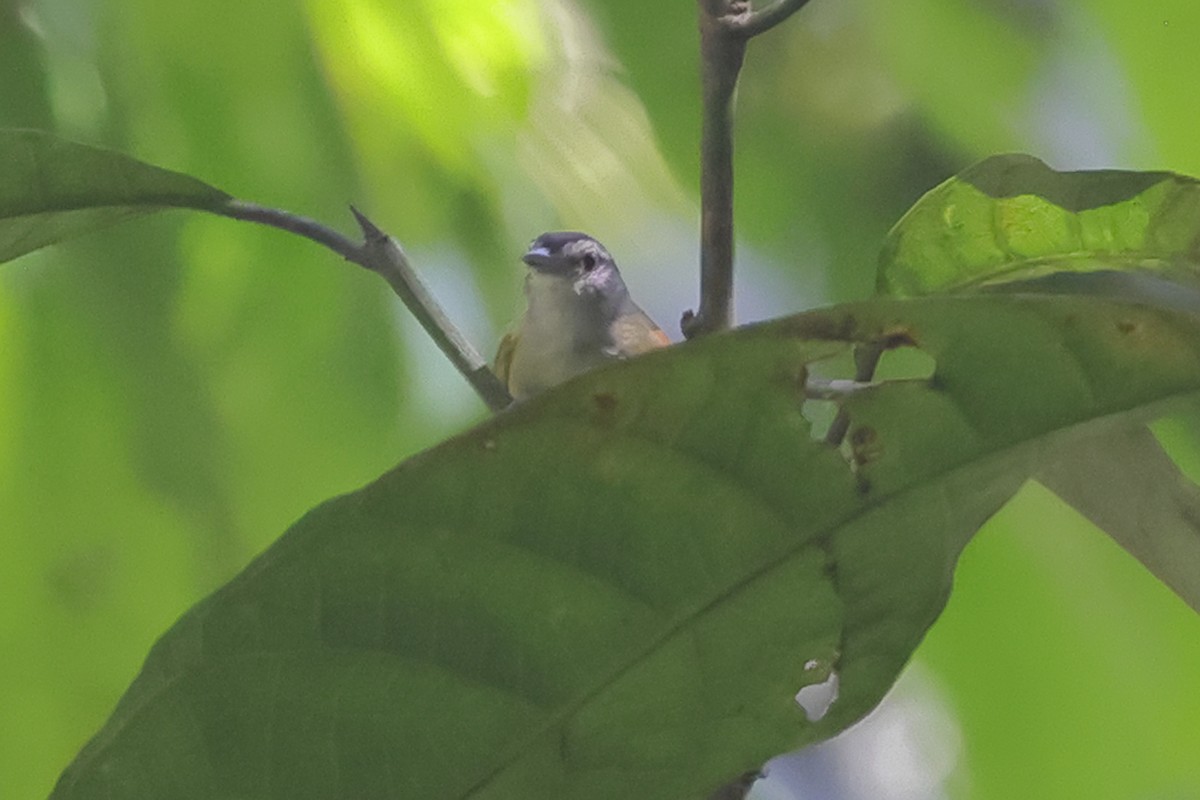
<point x="620" y="586"/>
<point x="52" y="189"/>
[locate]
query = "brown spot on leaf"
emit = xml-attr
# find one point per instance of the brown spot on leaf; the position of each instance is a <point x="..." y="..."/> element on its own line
<point x="606" y="402"/>
<point x="864" y="445"/>
<point x="830" y="570"/>
<point x="862" y="436"/>
<point x="898" y="337"/>
<point x="1126" y="327"/>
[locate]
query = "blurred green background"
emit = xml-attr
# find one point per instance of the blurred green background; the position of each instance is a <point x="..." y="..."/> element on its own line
<point x="175" y="392"/>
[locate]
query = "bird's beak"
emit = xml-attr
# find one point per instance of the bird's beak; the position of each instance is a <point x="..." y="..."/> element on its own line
<point x="539" y="258"/>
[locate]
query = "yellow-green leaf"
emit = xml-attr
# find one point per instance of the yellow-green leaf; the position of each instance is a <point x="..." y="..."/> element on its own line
<point x="1011" y="217"/>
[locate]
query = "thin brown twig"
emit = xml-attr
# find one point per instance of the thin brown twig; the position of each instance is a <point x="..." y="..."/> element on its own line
<point x="866" y="360"/>
<point x="721" y="56"/>
<point x="726" y="26"/>
<point x="382" y="254"/>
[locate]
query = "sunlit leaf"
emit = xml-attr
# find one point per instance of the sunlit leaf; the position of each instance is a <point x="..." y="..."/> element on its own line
<point x="1011" y="217"/>
<point x="618" y="587"/>
<point x="52" y="189"/>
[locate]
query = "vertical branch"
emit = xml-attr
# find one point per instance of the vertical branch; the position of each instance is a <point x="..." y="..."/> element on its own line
<point x="721" y="57"/>
<point x="726" y="26"/>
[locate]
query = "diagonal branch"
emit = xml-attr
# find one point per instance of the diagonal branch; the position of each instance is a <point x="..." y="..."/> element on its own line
<point x="381" y="254"/>
<point x="762" y="20"/>
<point x="292" y="223"/>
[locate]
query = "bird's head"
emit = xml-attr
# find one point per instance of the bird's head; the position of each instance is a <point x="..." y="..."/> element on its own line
<point x="579" y="260"/>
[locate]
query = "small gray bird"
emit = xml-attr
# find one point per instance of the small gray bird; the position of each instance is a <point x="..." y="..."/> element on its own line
<point x="578" y="316"/>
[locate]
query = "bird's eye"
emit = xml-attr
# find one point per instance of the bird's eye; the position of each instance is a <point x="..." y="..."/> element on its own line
<point x="588" y="262"/>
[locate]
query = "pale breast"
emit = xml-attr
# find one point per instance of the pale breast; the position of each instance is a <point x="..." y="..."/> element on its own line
<point x="560" y="337"/>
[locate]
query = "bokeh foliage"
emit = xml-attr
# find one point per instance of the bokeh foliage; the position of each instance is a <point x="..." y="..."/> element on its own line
<point x="174" y="393"/>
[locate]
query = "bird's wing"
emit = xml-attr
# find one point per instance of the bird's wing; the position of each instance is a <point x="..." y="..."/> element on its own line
<point x="636" y="333"/>
<point x="502" y="364"/>
<point x="660" y="338"/>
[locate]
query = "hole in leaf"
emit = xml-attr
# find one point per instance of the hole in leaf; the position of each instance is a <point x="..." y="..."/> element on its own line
<point x="819" y="406"/>
<point x="820" y="415"/>
<point x="816" y="699"/>
<point x="904" y="364"/>
<point x="833" y="380"/>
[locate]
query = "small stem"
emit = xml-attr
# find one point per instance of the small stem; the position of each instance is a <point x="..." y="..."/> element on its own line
<point x="818" y="389"/>
<point x="866" y="359"/>
<point x="762" y="20"/>
<point x="293" y="223"/>
<point x="381" y="254"/>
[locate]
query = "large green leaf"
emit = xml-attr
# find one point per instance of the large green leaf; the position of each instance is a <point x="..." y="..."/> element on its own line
<point x="52" y="189"/>
<point x="1011" y="217"/>
<point x="618" y="588"/>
